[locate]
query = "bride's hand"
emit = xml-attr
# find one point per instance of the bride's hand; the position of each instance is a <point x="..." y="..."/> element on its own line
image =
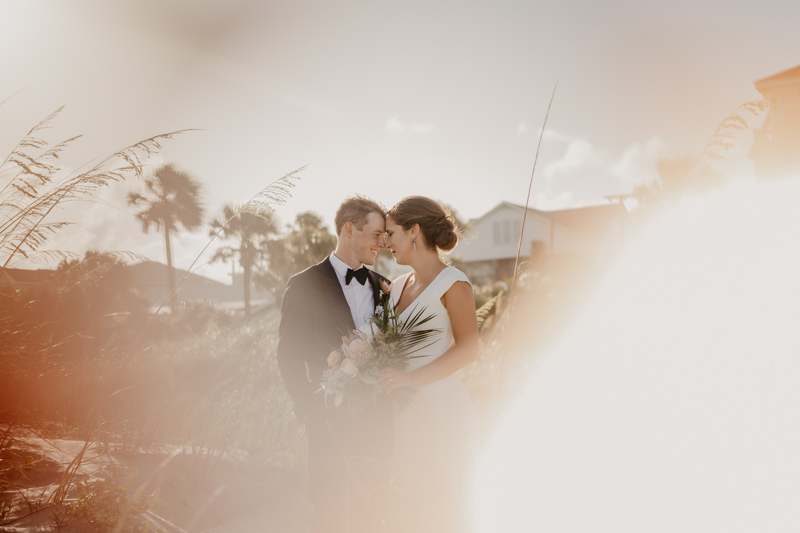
<point x="391" y="378"/>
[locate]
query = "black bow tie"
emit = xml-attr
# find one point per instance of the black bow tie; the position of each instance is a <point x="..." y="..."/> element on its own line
<point x="360" y="275"/>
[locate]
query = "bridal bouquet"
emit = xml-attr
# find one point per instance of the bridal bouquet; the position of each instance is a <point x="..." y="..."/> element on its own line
<point x="351" y="379"/>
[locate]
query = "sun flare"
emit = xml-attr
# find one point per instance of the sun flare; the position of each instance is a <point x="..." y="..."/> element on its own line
<point x="672" y="403"/>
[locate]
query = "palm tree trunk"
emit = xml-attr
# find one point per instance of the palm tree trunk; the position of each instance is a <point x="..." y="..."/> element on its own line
<point x="173" y="297"/>
<point x="246" y="277"/>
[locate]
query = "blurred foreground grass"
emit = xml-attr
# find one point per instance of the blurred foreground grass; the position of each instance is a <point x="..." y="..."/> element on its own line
<point x="201" y="383"/>
<point x="83" y="361"/>
<point x="201" y="379"/>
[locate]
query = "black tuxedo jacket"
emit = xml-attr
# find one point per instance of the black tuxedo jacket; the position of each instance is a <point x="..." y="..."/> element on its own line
<point x="314" y="316"/>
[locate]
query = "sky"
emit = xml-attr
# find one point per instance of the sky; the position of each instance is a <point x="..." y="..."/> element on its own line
<point x="438" y="98"/>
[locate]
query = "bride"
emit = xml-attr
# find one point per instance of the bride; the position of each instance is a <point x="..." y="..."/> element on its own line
<point x="436" y="436"/>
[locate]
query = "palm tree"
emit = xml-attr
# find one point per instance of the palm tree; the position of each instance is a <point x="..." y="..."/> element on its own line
<point x="307" y="242"/>
<point x="251" y="229"/>
<point x="171" y="199"/>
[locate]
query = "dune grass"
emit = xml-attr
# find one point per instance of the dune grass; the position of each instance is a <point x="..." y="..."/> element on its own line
<point x="82" y="359"/>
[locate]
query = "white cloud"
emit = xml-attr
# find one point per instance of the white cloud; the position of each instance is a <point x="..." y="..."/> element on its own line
<point x="638" y="162"/>
<point x="585" y="174"/>
<point x="565" y="200"/>
<point x="393" y="125"/>
<point x="580" y="160"/>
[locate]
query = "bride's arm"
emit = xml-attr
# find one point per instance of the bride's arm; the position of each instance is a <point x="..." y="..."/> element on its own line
<point x="460" y="305"/>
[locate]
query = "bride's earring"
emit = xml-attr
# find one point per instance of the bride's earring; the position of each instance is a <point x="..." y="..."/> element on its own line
<point x="415" y="245"/>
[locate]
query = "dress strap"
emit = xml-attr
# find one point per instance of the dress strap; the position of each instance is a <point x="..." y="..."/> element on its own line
<point x="446" y="279"/>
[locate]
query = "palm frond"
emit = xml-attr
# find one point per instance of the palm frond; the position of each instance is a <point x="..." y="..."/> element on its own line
<point x="46" y="257"/>
<point x="412" y="334"/>
<point x="416" y="319"/>
<point x="124" y="257"/>
<point x="271" y="196"/>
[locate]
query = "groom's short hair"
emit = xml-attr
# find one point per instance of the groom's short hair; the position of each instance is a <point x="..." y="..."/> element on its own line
<point x="356" y="209"/>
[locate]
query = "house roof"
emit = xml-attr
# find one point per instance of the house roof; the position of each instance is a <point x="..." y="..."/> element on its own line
<point x="786" y="75"/>
<point x="590" y="220"/>
<point x="505" y="205"/>
<point x="23" y="276"/>
<point x="153" y="273"/>
<point x="151" y="277"/>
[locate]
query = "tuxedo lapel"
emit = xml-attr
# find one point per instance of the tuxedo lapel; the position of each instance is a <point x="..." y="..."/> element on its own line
<point x="375" y="281"/>
<point x="341" y="311"/>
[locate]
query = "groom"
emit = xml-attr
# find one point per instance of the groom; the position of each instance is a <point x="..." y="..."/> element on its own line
<point x="349" y="458"/>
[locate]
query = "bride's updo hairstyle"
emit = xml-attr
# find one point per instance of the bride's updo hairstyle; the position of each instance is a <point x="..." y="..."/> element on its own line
<point x="436" y="224"/>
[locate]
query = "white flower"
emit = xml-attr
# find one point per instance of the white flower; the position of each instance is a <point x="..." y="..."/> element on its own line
<point x="379" y="310"/>
<point x="349" y="368"/>
<point x="333" y="358"/>
<point x="365" y="330"/>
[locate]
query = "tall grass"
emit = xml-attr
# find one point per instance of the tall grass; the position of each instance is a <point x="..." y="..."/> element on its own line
<point x="80" y="351"/>
<point x="210" y="382"/>
<point x="33" y="186"/>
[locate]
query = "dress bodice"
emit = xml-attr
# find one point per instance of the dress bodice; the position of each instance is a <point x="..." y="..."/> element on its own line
<point x="429" y="302"/>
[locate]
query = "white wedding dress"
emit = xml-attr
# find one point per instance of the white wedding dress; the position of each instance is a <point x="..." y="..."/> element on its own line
<point x="436" y="437"/>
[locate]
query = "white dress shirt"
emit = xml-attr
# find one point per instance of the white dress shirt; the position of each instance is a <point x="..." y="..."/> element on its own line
<point x="359" y="297"/>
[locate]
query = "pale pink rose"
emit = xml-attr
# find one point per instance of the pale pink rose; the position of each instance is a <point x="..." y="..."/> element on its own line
<point x="345" y="349"/>
<point x="348" y="367"/>
<point x="333" y="358"/>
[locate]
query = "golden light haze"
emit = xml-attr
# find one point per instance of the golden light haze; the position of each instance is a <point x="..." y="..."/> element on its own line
<point x="671" y="403"/>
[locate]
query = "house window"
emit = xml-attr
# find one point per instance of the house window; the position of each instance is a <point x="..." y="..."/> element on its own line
<point x="505" y="232"/>
<point x="517" y="229"/>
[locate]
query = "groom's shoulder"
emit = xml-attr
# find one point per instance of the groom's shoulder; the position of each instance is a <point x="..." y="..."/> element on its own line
<point x="311" y="275"/>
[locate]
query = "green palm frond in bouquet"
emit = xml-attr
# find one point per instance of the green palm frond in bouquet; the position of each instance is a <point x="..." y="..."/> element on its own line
<point x="384" y="342"/>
